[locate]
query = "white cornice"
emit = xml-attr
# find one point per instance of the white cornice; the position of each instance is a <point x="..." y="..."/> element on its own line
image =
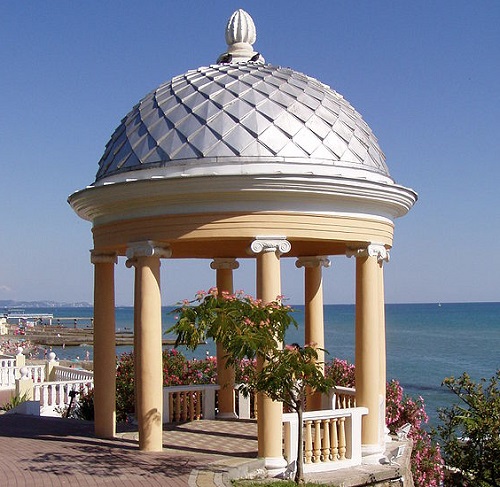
<point x="308" y="194"/>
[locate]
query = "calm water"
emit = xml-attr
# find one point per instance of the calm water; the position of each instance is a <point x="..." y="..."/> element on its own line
<point x="425" y="342"/>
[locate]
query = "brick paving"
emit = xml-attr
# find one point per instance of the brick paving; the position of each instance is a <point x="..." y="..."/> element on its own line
<point x="47" y="452"/>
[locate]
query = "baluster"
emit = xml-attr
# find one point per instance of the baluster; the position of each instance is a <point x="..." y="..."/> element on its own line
<point x="177" y="407"/>
<point x="334" y="443"/>
<point x="185" y="399"/>
<point x="198" y="404"/>
<point x="171" y="407"/>
<point x="317" y="441"/>
<point x="45" y="396"/>
<point x="192" y="406"/>
<point x="342" y="444"/>
<point x="308" y="440"/>
<point x="53" y="395"/>
<point x="325" y="451"/>
<point x="255" y="402"/>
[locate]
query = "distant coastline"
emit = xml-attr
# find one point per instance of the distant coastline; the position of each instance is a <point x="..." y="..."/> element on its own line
<point x="9" y="303"/>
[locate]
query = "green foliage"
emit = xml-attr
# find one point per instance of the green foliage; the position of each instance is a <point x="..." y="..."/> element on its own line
<point x="470" y="432"/>
<point x="14" y="402"/>
<point x="83" y="406"/>
<point x="288" y="374"/>
<point x="244" y="325"/>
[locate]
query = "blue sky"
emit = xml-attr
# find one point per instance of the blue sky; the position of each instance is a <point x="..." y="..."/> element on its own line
<point x="425" y="76"/>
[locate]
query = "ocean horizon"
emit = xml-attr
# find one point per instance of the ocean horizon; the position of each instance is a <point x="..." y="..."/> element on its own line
<point x="426" y="342"/>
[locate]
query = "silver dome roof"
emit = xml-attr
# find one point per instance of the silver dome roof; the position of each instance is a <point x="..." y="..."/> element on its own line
<point x="242" y="113"/>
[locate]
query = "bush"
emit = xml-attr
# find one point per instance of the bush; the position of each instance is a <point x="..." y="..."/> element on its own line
<point x="470" y="432"/>
<point x="14" y="402"/>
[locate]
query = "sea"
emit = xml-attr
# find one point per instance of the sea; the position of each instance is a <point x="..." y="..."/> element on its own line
<point x="425" y="342"/>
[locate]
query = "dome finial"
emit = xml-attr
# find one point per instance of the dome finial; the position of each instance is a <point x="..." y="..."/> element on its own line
<point x="240" y="35"/>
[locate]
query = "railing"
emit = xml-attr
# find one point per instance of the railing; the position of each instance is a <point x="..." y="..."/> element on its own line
<point x="64" y="374"/>
<point x="246" y="406"/>
<point x="189" y="402"/>
<point x="6" y="361"/>
<point x="56" y="394"/>
<point x="8" y="375"/>
<point x="342" y="397"/>
<point x="331" y="439"/>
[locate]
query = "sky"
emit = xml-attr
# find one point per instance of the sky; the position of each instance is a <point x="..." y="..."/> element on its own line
<point x="424" y="75"/>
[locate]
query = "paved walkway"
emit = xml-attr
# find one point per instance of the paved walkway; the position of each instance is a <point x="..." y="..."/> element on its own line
<point x="47" y="452"/>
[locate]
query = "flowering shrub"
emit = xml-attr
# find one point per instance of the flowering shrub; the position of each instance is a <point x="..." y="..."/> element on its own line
<point x="426" y="461"/>
<point x="341" y="372"/>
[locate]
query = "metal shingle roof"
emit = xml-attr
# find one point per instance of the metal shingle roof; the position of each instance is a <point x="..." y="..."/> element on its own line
<point x="246" y="109"/>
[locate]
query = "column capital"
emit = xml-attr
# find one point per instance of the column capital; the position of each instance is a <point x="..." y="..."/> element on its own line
<point x="224" y="263"/>
<point x="272" y="243"/>
<point x="313" y="261"/>
<point x="97" y="257"/>
<point x="148" y="248"/>
<point x="372" y="250"/>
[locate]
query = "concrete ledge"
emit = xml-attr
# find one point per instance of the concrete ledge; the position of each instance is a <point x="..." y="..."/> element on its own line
<point x="394" y="470"/>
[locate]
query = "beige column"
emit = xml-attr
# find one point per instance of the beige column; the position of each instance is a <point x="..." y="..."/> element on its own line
<point x="145" y="257"/>
<point x="369" y="312"/>
<point x="225" y="375"/>
<point x="269" y="422"/>
<point x="104" y="344"/>
<point x="383" y="256"/>
<point x="314" y="323"/>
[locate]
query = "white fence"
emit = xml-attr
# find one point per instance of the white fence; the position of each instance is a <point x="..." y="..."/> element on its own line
<point x="8" y="375"/>
<point x="331" y="439"/>
<point x="55" y="396"/>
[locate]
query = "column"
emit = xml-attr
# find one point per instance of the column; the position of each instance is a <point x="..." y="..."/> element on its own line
<point x="269" y="422"/>
<point x="314" y="323"/>
<point x="104" y="344"/>
<point x="384" y="431"/>
<point x="145" y="257"/>
<point x="225" y="375"/>
<point x="369" y="336"/>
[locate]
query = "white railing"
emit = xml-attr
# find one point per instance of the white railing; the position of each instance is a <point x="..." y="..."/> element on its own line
<point x="331" y="439"/>
<point x="8" y="375"/>
<point x="54" y="395"/>
<point x="6" y="361"/>
<point x="64" y="374"/>
<point x="189" y="402"/>
<point x="341" y="398"/>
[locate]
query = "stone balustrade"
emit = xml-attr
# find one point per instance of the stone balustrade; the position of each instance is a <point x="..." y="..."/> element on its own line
<point x="189" y="402"/>
<point x="331" y="439"/>
<point x="55" y="396"/>
<point x="341" y="398"/>
<point x="64" y="374"/>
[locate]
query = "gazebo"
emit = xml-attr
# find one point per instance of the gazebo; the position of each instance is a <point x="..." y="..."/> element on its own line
<point x="240" y="160"/>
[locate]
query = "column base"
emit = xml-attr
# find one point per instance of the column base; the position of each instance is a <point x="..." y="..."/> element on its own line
<point x="227" y="416"/>
<point x="275" y="466"/>
<point x="372" y="454"/>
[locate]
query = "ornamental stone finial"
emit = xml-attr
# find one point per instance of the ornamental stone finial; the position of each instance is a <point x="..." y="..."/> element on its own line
<point x="240" y="36"/>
